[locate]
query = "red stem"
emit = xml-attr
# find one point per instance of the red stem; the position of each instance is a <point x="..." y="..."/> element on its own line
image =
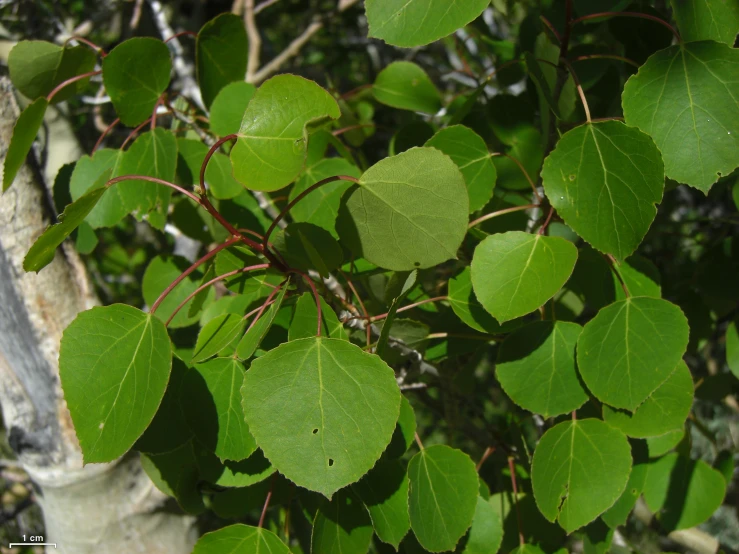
<point x="485" y="455"/>
<point x="151" y="180"/>
<point x="69" y="81"/>
<point x="268" y="301"/>
<point x="182" y="34"/>
<point x="523" y="170"/>
<point x="209" y="155"/>
<point x="605" y="57"/>
<point x="549" y="26"/>
<point x="403" y="309"/>
<point x="193" y="267"/>
<point x="116" y="121"/>
<point x="316" y="297"/>
<point x="89" y="43"/>
<point x="266" y="501"/>
<point x="137" y="129"/>
<point x="629" y="14"/>
<point x="546" y="223"/>
<point x="501" y="212"/>
<point x="512" y="469"/>
<point x="154" y="112"/>
<point x="211" y="282"/>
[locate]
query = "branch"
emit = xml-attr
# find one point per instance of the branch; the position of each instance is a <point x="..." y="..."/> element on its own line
<point x="255" y="40"/>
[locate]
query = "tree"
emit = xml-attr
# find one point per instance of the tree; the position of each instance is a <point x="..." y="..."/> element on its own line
<point x="580" y="229"/>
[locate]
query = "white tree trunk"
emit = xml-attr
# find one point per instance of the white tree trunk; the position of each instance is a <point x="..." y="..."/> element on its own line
<point x="98" y="508"/>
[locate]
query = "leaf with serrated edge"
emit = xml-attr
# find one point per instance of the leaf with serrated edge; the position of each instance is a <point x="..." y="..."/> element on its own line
<point x="666" y="409"/>
<point x="579" y="470"/>
<point x="515" y="273"/>
<point x="707" y="19"/>
<point x="486" y="533"/>
<point x="240" y="538"/>
<point x="683" y="97"/>
<point x="605" y="179"/>
<point x="271" y="149"/>
<point x="106" y="355"/>
<point x="630" y="348"/>
<point x="442" y="496"/>
<point x="536" y="368"/>
<point x="322" y="410"/>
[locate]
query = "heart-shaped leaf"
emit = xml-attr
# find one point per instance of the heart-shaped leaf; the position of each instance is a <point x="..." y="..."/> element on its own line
<point x="221" y="50"/>
<point x="228" y="108"/>
<point x="405" y="85"/>
<point x="240" y="538"/>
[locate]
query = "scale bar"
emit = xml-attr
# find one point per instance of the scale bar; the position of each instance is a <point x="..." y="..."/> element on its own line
<point x="12" y="544"/>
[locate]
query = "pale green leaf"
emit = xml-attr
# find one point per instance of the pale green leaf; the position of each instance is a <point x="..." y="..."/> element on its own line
<point x="216" y="335"/>
<point x="228" y="108"/>
<point x="112" y="359"/>
<point x="93" y="172"/>
<point x="240" y="539"/>
<point x="604" y="179"/>
<point x="630" y="348"/>
<point x="486" y="533"/>
<point x="468" y="150"/>
<point x="618" y="514"/>
<point x="219" y="178"/>
<point x="515" y="273"/>
<point x="341" y="526"/>
<point x="419" y="208"/>
<point x="464" y="303"/>
<point x="271" y="149"/>
<point x="322" y="410"/>
<point x="683" y="492"/>
<point x="258" y="329"/>
<point x="418" y="22"/>
<point x="406" y="85"/>
<point x="442" y="497"/>
<point x="24" y="133"/>
<point x="221" y="50"/>
<point x="579" y="470"/>
<point x="304" y="322"/>
<point x="659" y="446"/>
<point x="683" y="97"/>
<point x="536" y="368"/>
<point x="666" y="409"/>
<point x="707" y="19"/>
<point x="135" y="74"/>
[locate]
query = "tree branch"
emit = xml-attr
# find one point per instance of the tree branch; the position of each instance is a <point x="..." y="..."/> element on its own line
<point x="255" y="40"/>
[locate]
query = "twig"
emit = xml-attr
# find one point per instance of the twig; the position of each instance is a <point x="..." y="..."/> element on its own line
<point x="264" y="5"/>
<point x="255" y="40"/>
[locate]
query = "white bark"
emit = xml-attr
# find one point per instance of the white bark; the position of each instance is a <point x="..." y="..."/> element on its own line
<point x="99" y="507"/>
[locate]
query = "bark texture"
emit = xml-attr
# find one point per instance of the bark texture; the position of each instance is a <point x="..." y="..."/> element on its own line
<point x="97" y="508"/>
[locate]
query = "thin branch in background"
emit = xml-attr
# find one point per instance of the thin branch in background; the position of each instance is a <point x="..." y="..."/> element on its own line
<point x="501" y="212"/>
<point x="255" y="40"/>
<point x="264" y="5"/>
<point x="485" y="455"/>
<point x="136" y="15"/>
<point x="512" y="469"/>
<point x="580" y="91"/>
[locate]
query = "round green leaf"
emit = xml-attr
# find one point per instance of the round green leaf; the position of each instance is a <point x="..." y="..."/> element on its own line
<point x="486" y="533"/>
<point x="93" y="172"/>
<point x="304" y="322"/>
<point x="271" y="148"/>
<point x="218" y="423"/>
<point x="442" y="496"/>
<point x="322" y="410"/>
<point x="36" y="67"/>
<point x="683" y="492"/>
<point x="239" y="538"/>
<point x="384" y="492"/>
<point x="321" y="206"/>
<point x="515" y="273"/>
<point x="665" y="410"/>
<point x="683" y="98"/>
<point x="630" y="348"/>
<point x="467" y="149"/>
<point x="406" y="86"/>
<point x="135" y="74"/>
<point x="605" y="179"/>
<point x="707" y="20"/>
<point x="536" y="368"/>
<point x="219" y="178"/>
<point x="403" y="23"/>
<point x="618" y="514"/>
<point x="24" y="133"/>
<point x="579" y="470"/>
<point x="221" y="50"/>
<point x="408" y="211"/>
<point x="464" y="303"/>
<point x="341" y="526"/>
<point x="228" y="108"/>
<point x="105" y="356"/>
<point x="159" y="274"/>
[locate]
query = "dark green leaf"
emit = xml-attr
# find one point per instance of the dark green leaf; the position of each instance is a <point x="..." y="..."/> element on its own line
<point x="24" y="133"/>
<point x="306" y="246"/>
<point x="341" y="525"/>
<point x="486" y="532"/>
<point x="216" y="335"/>
<point x="258" y="329"/>
<point x="303" y="324"/>
<point x="159" y="274"/>
<point x="707" y="20"/>
<point x="93" y="172"/>
<point x="221" y="51"/>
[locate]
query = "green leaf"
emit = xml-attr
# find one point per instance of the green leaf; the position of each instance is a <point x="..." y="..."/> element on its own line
<point x="630" y="348"/>
<point x="515" y="273"/>
<point x="322" y="410"/>
<point x="707" y="20"/>
<point x="402" y="23"/>
<point x="105" y="356"/>
<point x="341" y="525"/>
<point x="409" y="283"/>
<point x="273" y="139"/>
<point x="618" y="514"/>
<point x="545" y="80"/>
<point x="659" y="446"/>
<point x="486" y="533"/>
<point x="93" y="172"/>
<point x="683" y="492"/>
<point x="135" y="74"/>
<point x="442" y="497"/>
<point x="464" y="303"/>
<point x="604" y="179"/>
<point x="224" y="473"/>
<point x="153" y="154"/>
<point x="306" y="246"/>
<point x="405" y="431"/>
<point x="175" y="473"/>
<point x="216" y="335"/>
<point x="468" y="150"/>
<point x="527" y="549"/>
<point x="239" y="538"/>
<point x="24" y="133"/>
<point x="732" y="348"/>
<point x="665" y="410"/>
<point x="204" y="295"/>
<point x="159" y="274"/>
<point x="526" y="148"/>
<point x="42" y="251"/>
<point x="218" y="422"/>
<point x="536" y="368"/>
<point x="228" y="108"/>
<point x="419" y="207"/>
<point x="219" y="178"/>
<point x="406" y="86"/>
<point x="36" y="68"/>
<point x="384" y="492"/>
<point x="303" y="324"/>
<point x="221" y="50"/>
<point x="682" y="97"/>
<point x="258" y="330"/>
<point x="321" y="206"/>
<point x="579" y="470"/>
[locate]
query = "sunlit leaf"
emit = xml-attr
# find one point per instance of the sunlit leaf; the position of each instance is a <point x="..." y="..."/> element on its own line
<point x="24" y="133"/>
<point x="406" y="85"/>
